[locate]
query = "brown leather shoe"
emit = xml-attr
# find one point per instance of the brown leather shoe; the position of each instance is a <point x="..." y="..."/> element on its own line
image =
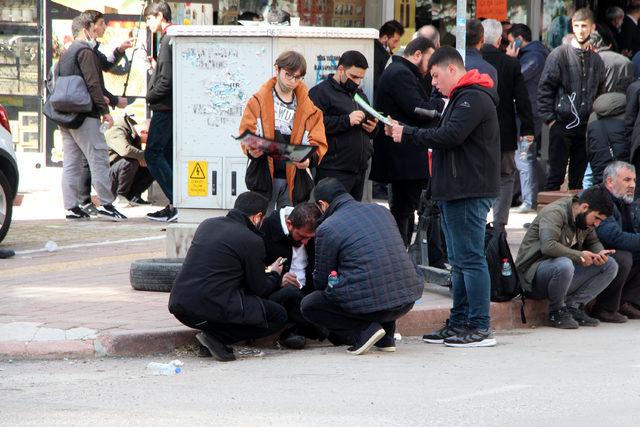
<point x="608" y="316"/>
<point x="629" y="310"/>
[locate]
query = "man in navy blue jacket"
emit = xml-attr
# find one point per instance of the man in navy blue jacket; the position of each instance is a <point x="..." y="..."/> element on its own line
<point x="375" y="281"/>
<point x="622" y="297"/>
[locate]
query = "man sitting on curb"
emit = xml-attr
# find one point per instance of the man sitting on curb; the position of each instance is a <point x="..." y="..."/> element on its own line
<point x="373" y="282"/>
<point x="288" y="234"/>
<point x="621" y="298"/>
<point x="561" y="258"/>
<point x="222" y="286"/>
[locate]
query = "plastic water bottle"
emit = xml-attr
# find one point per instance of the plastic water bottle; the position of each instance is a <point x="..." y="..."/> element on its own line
<point x="104" y="127"/>
<point x="51" y="246"/>
<point x="333" y="279"/>
<point x="506" y="267"/>
<point x="171" y="368"/>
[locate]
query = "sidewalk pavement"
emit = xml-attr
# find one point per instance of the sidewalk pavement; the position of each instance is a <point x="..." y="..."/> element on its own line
<point x="77" y="301"/>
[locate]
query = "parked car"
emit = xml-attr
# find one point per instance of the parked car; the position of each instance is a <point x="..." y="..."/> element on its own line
<point x="8" y="174"/>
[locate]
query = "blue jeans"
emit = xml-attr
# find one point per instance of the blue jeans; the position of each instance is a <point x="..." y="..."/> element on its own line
<point x="464" y="222"/>
<point x="528" y="175"/>
<point x="587" y="181"/>
<point x="159" y="151"/>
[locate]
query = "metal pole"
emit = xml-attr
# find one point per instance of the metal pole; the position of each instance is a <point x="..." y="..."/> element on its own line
<point x="461" y="27"/>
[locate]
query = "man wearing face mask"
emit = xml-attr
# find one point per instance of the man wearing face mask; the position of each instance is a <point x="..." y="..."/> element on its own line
<point x="621" y="300"/>
<point x="349" y="130"/>
<point x="222" y="287"/>
<point x="561" y="258"/>
<point x="404" y="166"/>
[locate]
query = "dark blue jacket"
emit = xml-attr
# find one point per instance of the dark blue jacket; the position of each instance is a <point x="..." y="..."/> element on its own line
<point x="614" y="235"/>
<point x="532" y="58"/>
<point x="473" y="60"/>
<point x="362" y="243"/>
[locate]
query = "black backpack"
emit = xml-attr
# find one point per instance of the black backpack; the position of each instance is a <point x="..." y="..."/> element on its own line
<point x="504" y="287"/>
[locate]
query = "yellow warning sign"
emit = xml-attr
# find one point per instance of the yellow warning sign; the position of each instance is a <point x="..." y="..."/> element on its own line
<point x="197" y="173"/>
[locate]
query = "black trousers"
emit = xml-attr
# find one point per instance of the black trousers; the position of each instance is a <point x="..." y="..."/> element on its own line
<point x="231" y="333"/>
<point x="625" y="287"/>
<point x="128" y="178"/>
<point x="353" y="181"/>
<point x="317" y="308"/>
<point x="567" y="145"/>
<point x="404" y="199"/>
<point x="290" y="298"/>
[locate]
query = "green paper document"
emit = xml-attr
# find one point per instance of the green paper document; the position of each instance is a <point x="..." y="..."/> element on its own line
<point x="369" y="109"/>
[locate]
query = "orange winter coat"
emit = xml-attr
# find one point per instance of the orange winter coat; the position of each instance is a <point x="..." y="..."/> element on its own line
<point x="307" y="118"/>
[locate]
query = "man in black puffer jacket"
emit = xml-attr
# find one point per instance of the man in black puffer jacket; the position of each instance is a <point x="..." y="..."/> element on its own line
<point x="466" y="173"/>
<point x="348" y="129"/>
<point x="375" y="282"/>
<point x="572" y="79"/>
<point x="606" y="139"/>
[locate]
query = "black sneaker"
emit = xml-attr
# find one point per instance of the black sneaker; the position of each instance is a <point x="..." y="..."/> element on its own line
<point x="90" y="209"/>
<point x="218" y="350"/>
<point x="367" y="339"/>
<point x="387" y="343"/>
<point x="110" y="213"/>
<point x="161" y="215"/>
<point x="77" y="214"/>
<point x="562" y="319"/>
<point x="472" y="338"/>
<point x="173" y="216"/>
<point x="293" y="341"/>
<point x="438" y="337"/>
<point x="137" y="201"/>
<point x="581" y="316"/>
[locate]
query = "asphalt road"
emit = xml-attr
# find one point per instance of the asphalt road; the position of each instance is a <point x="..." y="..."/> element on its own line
<point x="533" y="377"/>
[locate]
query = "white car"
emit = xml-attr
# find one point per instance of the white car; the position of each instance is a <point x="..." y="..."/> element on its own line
<point x="8" y="174"/>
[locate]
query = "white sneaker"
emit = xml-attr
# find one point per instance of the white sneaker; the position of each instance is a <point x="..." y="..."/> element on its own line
<point x="121" y="202"/>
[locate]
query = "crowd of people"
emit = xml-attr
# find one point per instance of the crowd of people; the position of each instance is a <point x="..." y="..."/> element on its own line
<point x="302" y="255"/>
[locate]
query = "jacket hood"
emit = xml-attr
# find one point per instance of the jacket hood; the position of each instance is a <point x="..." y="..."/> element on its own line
<point x="480" y="81"/>
<point x="535" y="46"/>
<point x="610" y="104"/>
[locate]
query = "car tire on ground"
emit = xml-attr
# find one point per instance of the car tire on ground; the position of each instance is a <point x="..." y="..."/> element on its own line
<point x="6" y="205"/>
<point x="155" y="274"/>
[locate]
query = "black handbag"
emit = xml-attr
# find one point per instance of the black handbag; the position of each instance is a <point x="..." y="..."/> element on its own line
<point x="302" y="186"/>
<point x="258" y="177"/>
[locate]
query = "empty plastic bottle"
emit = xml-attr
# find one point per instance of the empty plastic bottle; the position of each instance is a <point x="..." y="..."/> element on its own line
<point x="506" y="267"/>
<point x="170" y="368"/>
<point x="333" y="279"/>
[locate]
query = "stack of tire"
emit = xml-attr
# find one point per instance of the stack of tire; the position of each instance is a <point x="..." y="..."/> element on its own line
<point x="155" y="274"/>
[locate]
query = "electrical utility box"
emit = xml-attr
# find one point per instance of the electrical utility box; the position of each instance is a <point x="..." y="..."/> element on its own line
<point x="216" y="70"/>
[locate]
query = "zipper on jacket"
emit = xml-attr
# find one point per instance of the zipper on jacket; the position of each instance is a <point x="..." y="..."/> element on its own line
<point x="454" y="171"/>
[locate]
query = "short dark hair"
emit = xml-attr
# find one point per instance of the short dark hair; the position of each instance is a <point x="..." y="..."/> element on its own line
<point x="251" y="203"/>
<point x="353" y="58"/>
<point x="162" y="7"/>
<point x="292" y="61"/>
<point x="598" y="199"/>
<point x="520" y="30"/>
<point x="248" y="16"/>
<point x="444" y="56"/>
<point x="328" y="189"/>
<point x="390" y="28"/>
<point x="79" y="23"/>
<point x="305" y="215"/>
<point x="475" y="32"/>
<point x="583" y="14"/>
<point x="419" y="44"/>
<point x="95" y="15"/>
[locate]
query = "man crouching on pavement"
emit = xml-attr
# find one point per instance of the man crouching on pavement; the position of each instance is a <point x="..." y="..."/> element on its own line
<point x="222" y="286"/>
<point x="289" y="235"/>
<point x="373" y="282"/>
<point x="561" y="258"/>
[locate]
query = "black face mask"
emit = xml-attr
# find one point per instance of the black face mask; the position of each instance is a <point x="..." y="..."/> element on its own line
<point x="350" y="86"/>
<point x="581" y="221"/>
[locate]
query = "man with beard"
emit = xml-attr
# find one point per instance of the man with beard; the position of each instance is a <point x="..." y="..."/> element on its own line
<point x="573" y="77"/>
<point x="621" y="299"/>
<point x="349" y="130"/>
<point x="561" y="258"/>
<point x="289" y="234"/>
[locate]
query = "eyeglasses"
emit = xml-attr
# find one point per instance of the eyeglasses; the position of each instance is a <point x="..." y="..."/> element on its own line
<point x="292" y="77"/>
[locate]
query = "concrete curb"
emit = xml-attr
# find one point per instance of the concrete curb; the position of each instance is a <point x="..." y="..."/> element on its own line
<point x="504" y="316"/>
